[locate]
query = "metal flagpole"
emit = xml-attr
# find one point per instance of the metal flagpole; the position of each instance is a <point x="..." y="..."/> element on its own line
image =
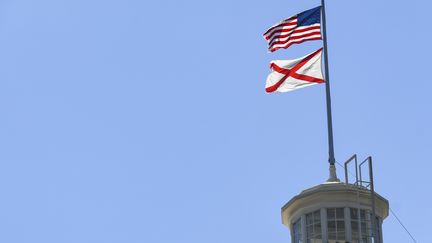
<point x="332" y="160"/>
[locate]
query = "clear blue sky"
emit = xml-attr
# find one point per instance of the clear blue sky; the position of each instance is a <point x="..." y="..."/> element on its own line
<point x="147" y="121"/>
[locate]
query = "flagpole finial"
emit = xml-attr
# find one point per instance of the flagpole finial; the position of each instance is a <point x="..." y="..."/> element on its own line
<point x="333" y="176"/>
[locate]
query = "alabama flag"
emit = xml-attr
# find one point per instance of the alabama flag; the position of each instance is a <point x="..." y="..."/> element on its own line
<point x="288" y="75"/>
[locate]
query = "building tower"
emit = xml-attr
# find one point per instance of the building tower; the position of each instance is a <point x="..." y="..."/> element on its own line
<point x="338" y="212"/>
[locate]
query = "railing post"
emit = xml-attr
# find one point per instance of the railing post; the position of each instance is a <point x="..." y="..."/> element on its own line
<point x="346" y="168"/>
<point x="374" y="226"/>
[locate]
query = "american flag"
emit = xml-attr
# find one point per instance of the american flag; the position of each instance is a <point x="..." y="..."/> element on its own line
<point x="295" y="30"/>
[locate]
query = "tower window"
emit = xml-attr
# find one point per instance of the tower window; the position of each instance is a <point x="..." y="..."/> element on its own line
<point x="297" y="232"/>
<point x="313" y="227"/>
<point x="336" y="224"/>
<point x="363" y="227"/>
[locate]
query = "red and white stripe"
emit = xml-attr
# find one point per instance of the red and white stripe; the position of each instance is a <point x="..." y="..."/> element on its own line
<point x="287" y="32"/>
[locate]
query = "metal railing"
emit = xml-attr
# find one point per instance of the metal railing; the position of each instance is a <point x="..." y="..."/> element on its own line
<point x="360" y="183"/>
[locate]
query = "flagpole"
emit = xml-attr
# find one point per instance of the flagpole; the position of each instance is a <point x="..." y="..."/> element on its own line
<point x="332" y="160"/>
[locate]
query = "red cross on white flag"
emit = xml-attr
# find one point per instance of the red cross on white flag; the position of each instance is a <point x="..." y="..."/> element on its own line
<point x="289" y="75"/>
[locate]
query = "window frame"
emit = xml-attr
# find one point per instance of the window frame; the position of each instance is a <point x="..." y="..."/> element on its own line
<point x="336" y="230"/>
<point x="313" y="221"/>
